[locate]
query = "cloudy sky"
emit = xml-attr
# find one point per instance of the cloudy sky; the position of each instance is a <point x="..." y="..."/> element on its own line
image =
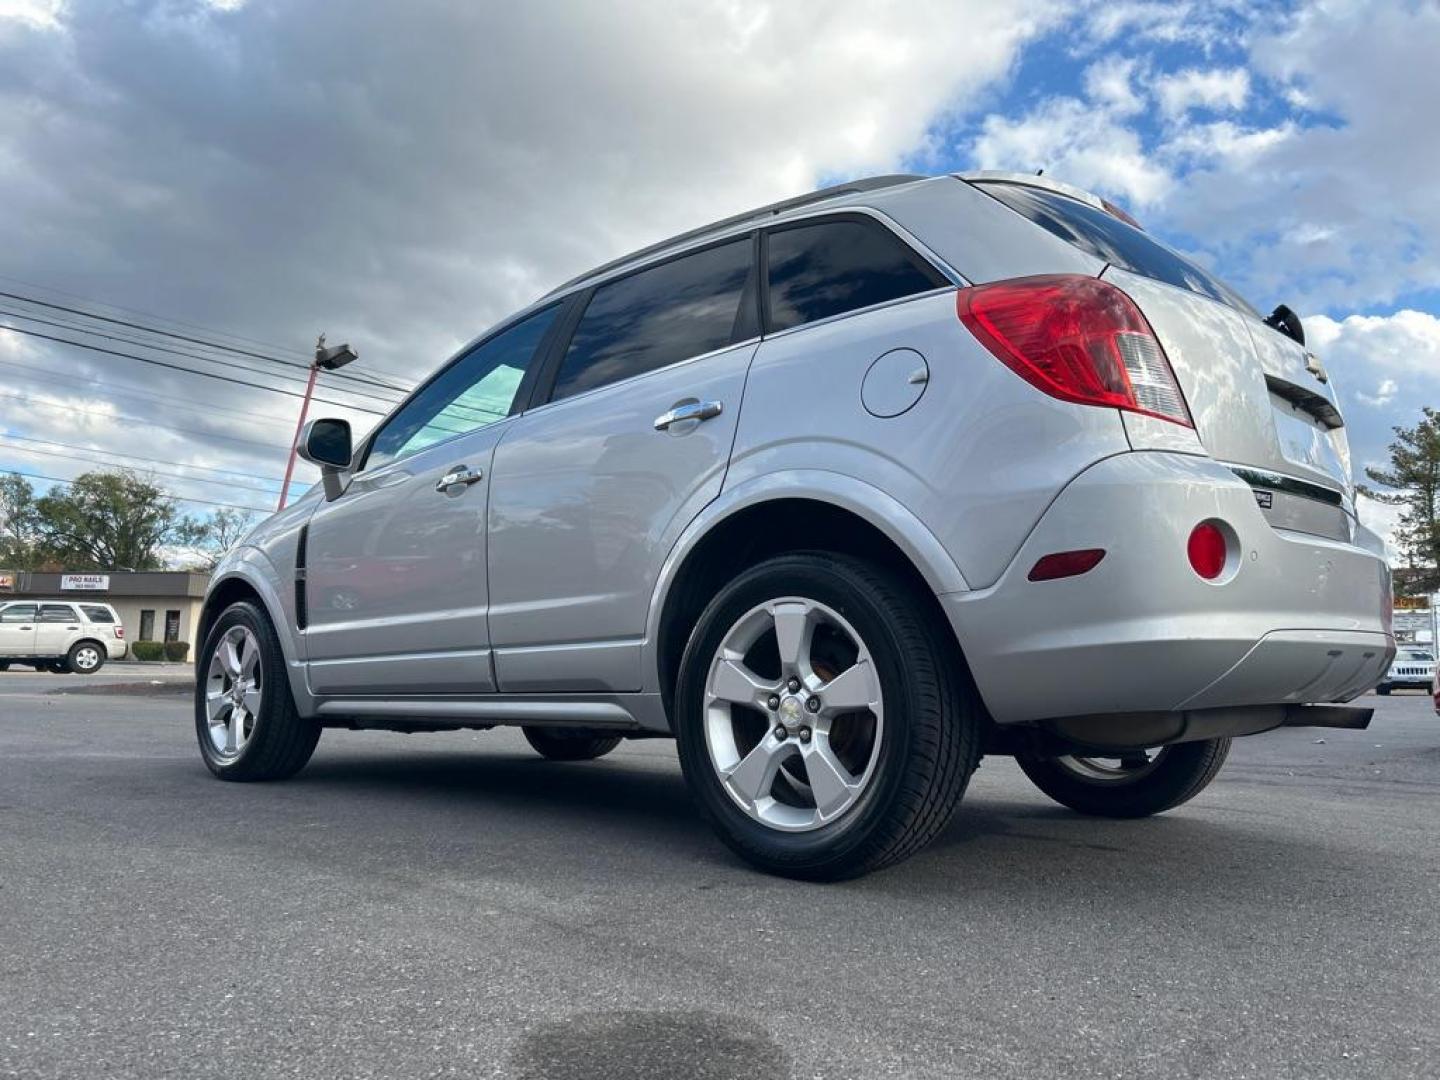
<point x="400" y="175"/>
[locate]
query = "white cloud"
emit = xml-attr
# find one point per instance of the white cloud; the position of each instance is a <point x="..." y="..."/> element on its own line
<point x="1216" y="89"/>
<point x="34" y="14"/>
<point x="1407" y="341"/>
<point x="1109" y="83"/>
<point x="1076" y="143"/>
<point x="1384" y="394"/>
<point x="404" y="175"/>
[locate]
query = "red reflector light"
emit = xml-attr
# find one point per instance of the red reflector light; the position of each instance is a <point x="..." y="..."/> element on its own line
<point x="1078" y="339"/>
<point x="1066" y="564"/>
<point x="1207" y="550"/>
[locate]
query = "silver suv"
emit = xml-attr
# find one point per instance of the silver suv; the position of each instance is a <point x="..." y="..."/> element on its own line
<point x="842" y="493"/>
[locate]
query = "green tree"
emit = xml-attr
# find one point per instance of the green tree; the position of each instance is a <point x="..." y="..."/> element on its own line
<point x="19" y="535"/>
<point x="223" y="531"/>
<point x="1413" y="482"/>
<point x="110" y="520"/>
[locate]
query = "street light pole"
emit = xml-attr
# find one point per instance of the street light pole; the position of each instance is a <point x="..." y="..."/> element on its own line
<point x="337" y="356"/>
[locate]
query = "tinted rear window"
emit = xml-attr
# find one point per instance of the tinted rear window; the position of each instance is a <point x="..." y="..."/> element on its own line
<point x="658" y="316"/>
<point x="836" y="266"/>
<point x="1107" y="237"/>
<point x="97" y="614"/>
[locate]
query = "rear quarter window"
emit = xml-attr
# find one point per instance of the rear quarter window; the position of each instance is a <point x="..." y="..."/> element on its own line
<point x="1107" y="237"/>
<point x="97" y="614"/>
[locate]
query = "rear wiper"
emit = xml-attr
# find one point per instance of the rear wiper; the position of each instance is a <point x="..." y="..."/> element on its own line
<point x="1287" y="322"/>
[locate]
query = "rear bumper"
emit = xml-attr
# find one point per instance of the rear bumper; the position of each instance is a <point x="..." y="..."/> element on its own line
<point x="116" y="650"/>
<point x="1294" y="619"/>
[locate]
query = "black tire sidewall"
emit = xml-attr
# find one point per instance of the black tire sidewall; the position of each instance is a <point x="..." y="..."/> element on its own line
<point x="1183" y="773"/>
<point x="837" y="843"/>
<point x="569" y="744"/>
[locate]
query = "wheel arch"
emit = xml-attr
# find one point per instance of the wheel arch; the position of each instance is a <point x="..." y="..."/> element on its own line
<point x="240" y="578"/>
<point x="792" y="512"/>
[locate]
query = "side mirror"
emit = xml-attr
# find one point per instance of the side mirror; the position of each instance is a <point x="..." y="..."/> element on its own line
<point x="327" y="443"/>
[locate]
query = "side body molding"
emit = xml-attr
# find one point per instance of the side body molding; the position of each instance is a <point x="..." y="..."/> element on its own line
<point x="876" y="507"/>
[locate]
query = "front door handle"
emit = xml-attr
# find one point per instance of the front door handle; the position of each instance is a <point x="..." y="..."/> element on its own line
<point x="690" y="410"/>
<point x="458" y="476"/>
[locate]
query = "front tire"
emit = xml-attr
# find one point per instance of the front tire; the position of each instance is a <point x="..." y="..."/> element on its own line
<point x="570" y="744"/>
<point x="85" y="658"/>
<point x="825" y="725"/>
<point x="245" y="715"/>
<point x="1129" y="786"/>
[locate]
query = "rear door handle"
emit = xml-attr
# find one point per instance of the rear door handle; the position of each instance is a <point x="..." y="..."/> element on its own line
<point x="458" y="476"/>
<point x="690" y="410"/>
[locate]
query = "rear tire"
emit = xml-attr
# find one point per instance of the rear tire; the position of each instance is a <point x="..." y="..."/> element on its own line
<point x="1383" y="691"/>
<point x="1176" y="775"/>
<point x="245" y="715"/>
<point x="85" y="658"/>
<point x="570" y="744"/>
<point x="904" y="756"/>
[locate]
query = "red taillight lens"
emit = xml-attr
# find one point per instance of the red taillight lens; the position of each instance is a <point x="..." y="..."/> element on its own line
<point x="1207" y="550"/>
<point x="119" y="631"/>
<point x="1064" y="564"/>
<point x="1078" y="339"/>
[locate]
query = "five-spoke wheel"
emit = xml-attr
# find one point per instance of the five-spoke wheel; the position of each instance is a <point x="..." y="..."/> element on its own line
<point x="826" y="725"/>
<point x="233" y="691"/>
<point x="245" y="715"/>
<point x="794" y="714"/>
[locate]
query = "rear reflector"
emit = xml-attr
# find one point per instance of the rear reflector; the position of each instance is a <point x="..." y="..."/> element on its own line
<point x="1066" y="564"/>
<point x="1207" y="550"/>
<point x="1078" y="339"/>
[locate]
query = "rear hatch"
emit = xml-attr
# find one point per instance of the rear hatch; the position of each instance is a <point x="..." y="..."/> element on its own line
<point x="1261" y="402"/>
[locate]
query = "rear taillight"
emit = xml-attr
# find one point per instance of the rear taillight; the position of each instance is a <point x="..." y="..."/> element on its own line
<point x="119" y="631"/>
<point x="1078" y="339"/>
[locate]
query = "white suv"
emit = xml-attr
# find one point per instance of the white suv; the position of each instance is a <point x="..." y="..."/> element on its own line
<point x="60" y="635"/>
<point x="842" y="493"/>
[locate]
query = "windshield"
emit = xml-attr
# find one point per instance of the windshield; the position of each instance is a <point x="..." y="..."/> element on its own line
<point x="1107" y="237"/>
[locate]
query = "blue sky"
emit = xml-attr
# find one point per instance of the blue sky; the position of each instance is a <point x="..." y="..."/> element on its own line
<point x="404" y="175"/>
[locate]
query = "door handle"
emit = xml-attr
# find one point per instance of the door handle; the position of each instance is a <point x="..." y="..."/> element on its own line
<point x="458" y="475"/>
<point x="692" y="410"/>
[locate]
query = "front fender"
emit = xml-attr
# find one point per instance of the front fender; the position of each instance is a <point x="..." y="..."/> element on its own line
<point x="253" y="567"/>
<point x="876" y="507"/>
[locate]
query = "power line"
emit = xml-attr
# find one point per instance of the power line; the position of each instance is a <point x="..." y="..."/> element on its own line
<point x="158" y="472"/>
<point x="137" y="420"/>
<point x="138" y="457"/>
<point x="189" y="371"/>
<point x="182" y="352"/>
<point x="356" y="376"/>
<point x="177" y="498"/>
<point x="125" y="390"/>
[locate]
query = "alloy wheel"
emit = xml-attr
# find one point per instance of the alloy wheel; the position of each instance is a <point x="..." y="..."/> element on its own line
<point x="233" y="691"/>
<point x="794" y="714"/>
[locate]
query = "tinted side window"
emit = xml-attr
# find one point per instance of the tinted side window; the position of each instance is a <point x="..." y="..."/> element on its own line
<point x="1107" y="237"/>
<point x="57" y="613"/>
<point x="833" y="267"/>
<point x="658" y="316"/>
<point x="475" y="391"/>
<point x="98" y="614"/>
<point x="18" y="613"/>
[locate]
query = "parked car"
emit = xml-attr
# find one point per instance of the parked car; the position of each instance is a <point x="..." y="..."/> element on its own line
<point x="60" y="635"/>
<point x="842" y="494"/>
<point x="1412" y="669"/>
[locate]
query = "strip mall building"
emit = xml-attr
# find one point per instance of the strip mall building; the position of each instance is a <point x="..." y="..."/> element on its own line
<point x="159" y="605"/>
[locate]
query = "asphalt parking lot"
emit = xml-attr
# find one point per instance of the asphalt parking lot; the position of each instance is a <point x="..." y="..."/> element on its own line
<point x="452" y="905"/>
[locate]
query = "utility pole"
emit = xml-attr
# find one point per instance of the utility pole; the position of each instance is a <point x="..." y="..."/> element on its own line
<point x="331" y="359"/>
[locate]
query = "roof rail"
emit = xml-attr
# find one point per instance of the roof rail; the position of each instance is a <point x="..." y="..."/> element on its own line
<point x="851" y="187"/>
